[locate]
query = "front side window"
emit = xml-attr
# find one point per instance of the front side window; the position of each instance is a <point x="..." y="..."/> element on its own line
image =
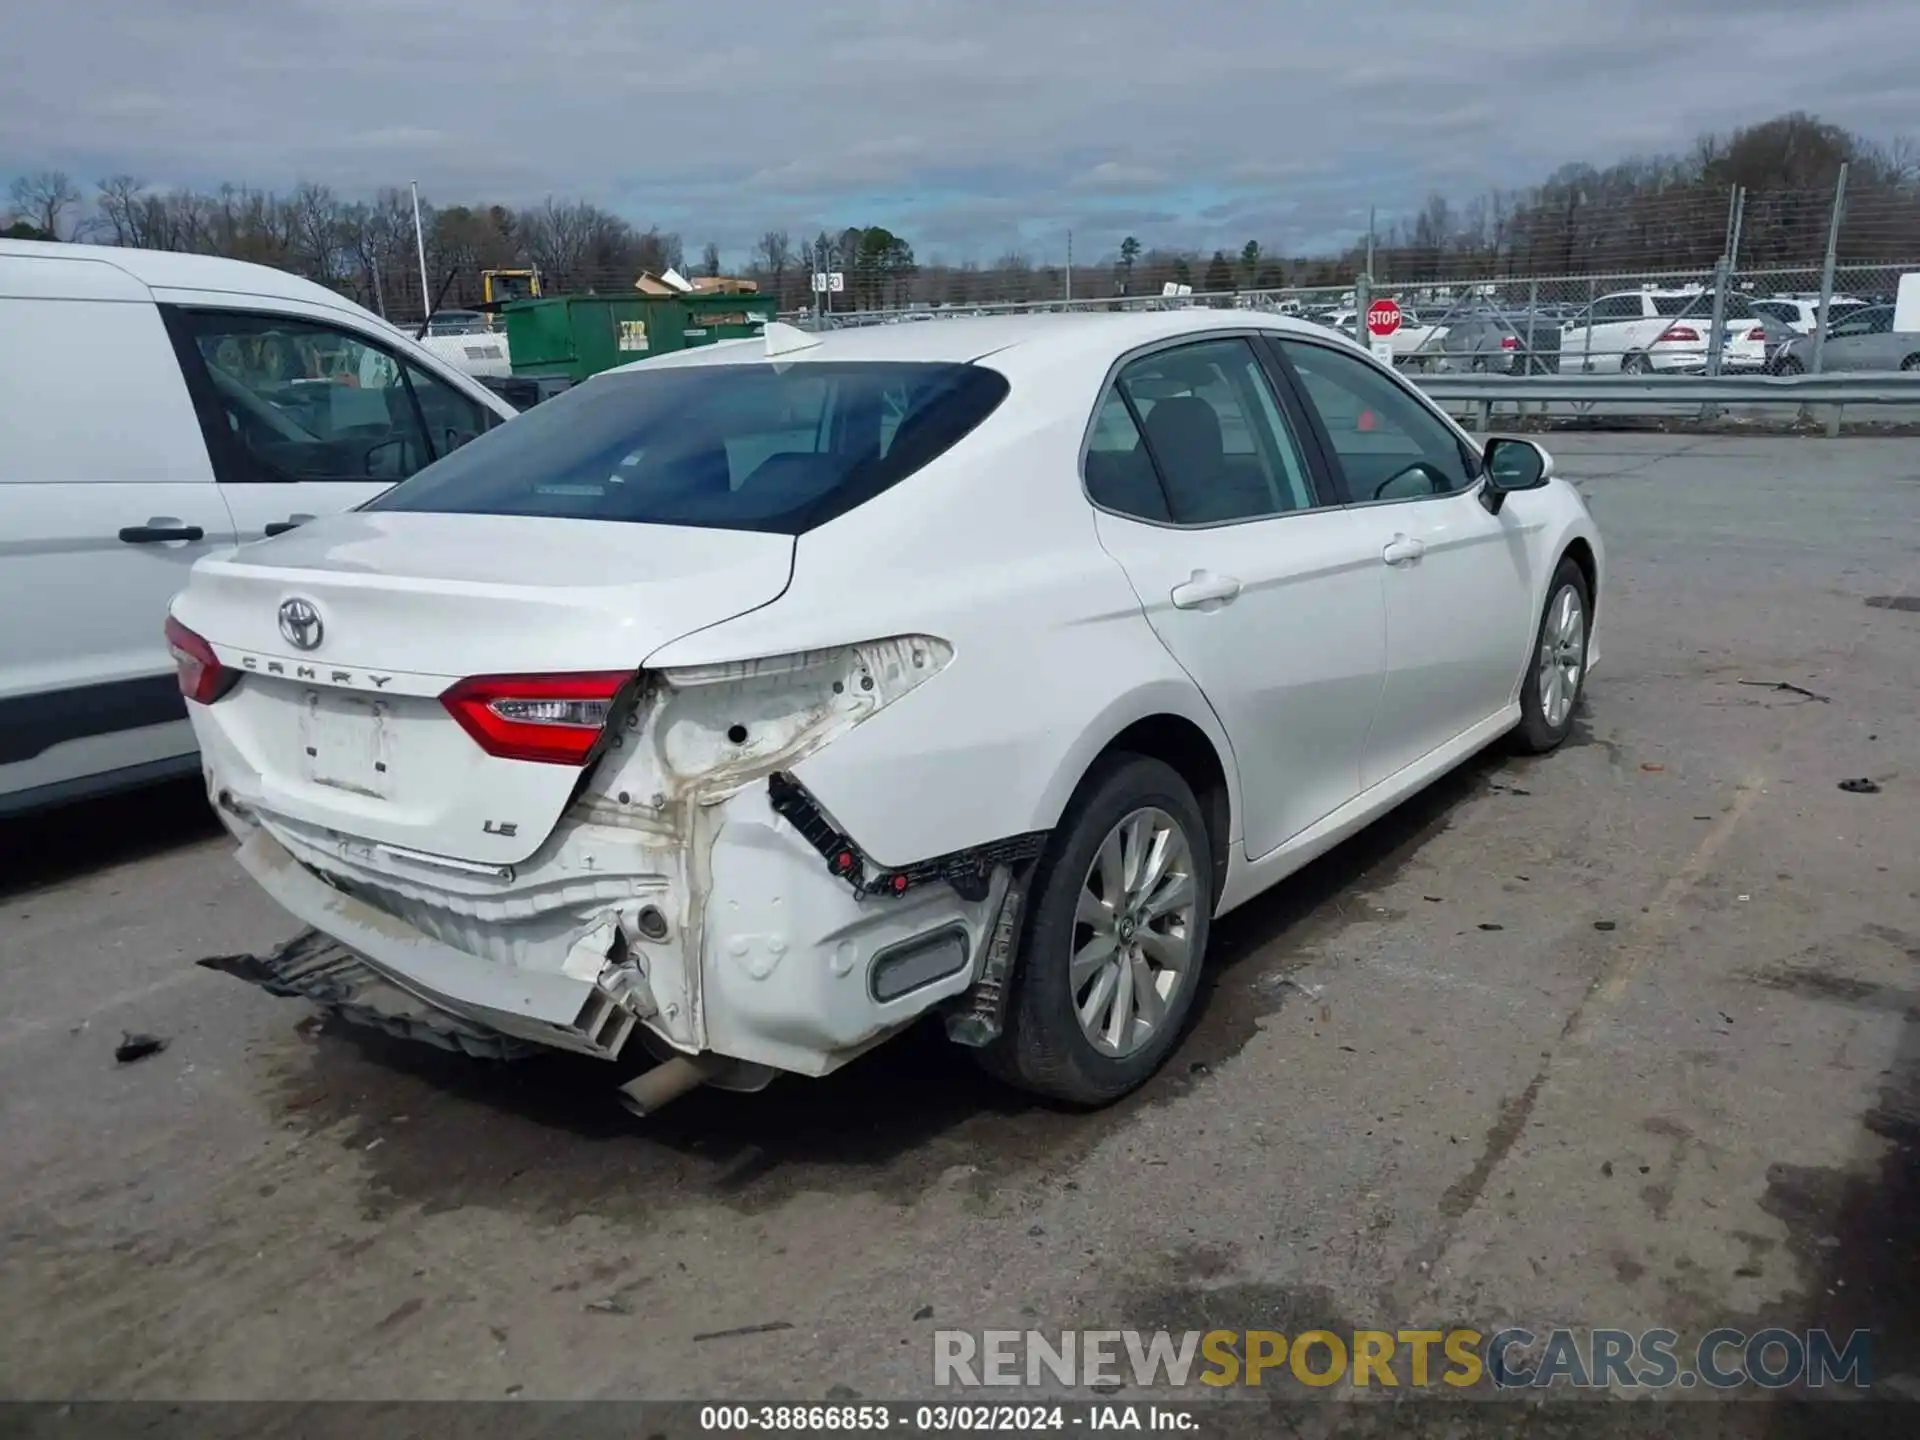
<point x="1874" y="320"/>
<point x="1389" y="445"/>
<point x="288" y="399"/>
<point x="778" y="448"/>
<point x="1617" y="307"/>
<point x="451" y="418"/>
<point x="1220" y="444"/>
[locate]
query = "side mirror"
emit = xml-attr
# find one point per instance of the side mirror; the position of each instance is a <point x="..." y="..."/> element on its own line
<point x="1512" y="464"/>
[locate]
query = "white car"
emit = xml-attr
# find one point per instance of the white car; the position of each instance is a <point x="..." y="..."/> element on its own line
<point x="1800" y="312"/>
<point x="756" y="700"/>
<point x="469" y="342"/>
<point x="1406" y="341"/>
<point x="1656" y="331"/>
<point x="156" y="408"/>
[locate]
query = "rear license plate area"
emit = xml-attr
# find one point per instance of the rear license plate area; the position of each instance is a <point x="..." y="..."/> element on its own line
<point x="346" y="743"/>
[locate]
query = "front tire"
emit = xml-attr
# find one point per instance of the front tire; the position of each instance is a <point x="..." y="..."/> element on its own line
<point x="1116" y="928"/>
<point x="1557" y="670"/>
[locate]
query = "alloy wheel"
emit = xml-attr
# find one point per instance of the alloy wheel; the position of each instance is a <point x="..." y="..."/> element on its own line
<point x="1133" y="932"/>
<point x="1563" y="656"/>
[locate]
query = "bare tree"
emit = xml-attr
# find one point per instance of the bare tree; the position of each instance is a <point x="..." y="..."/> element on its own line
<point x="774" y="255"/>
<point x="43" y="198"/>
<point x="710" y="260"/>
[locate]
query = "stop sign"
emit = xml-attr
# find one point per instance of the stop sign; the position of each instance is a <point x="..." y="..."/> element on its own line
<point x="1383" y="317"/>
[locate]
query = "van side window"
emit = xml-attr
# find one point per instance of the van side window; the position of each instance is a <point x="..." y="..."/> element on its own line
<point x="281" y="398"/>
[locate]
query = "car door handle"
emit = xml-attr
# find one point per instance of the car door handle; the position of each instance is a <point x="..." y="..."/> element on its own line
<point x="155" y="531"/>
<point x="292" y="522"/>
<point x="1402" y="550"/>
<point x="1204" y="588"/>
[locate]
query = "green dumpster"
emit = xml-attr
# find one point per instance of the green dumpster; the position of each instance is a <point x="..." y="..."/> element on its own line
<point x="580" y="335"/>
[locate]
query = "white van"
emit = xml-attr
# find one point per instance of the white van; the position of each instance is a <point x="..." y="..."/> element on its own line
<point x="155" y="408"/>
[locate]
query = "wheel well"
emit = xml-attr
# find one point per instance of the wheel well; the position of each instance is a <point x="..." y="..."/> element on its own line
<point x="1179" y="742"/>
<point x="1581" y="554"/>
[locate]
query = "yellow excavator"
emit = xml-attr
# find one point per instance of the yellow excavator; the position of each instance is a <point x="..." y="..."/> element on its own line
<point x="497" y="287"/>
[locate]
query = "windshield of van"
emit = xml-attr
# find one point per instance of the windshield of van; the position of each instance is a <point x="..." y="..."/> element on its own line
<point x="780" y="448"/>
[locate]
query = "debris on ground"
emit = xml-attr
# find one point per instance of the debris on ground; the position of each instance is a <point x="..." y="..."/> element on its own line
<point x="136" y="1045"/>
<point x="1861" y="786"/>
<point x="1492" y="927"/>
<point x="767" y="1329"/>
<point x="1604" y="925"/>
<point x="1651" y="768"/>
<point x="609" y="1306"/>
<point x="1786" y="685"/>
<point x="925" y="1312"/>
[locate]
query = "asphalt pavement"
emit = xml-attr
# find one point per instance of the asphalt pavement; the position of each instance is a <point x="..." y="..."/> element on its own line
<point x="1622" y="1036"/>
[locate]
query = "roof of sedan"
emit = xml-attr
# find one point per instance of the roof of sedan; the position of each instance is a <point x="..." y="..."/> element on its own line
<point x="968" y="338"/>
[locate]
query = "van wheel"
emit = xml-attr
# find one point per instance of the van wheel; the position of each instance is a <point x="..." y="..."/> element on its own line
<point x="1557" y="670"/>
<point x="1115" y="932"/>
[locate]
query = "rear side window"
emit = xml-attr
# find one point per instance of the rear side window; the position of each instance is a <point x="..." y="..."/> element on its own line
<point x="779" y="448"/>
<point x="1700" y="306"/>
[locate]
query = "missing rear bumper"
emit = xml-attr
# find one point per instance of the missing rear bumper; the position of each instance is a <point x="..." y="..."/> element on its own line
<point x="313" y="967"/>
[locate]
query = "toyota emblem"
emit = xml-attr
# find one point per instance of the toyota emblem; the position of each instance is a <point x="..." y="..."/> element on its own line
<point x="300" y="623"/>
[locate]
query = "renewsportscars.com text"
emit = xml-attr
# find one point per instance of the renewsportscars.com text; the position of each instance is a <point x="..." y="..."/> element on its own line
<point x="1457" y="1358"/>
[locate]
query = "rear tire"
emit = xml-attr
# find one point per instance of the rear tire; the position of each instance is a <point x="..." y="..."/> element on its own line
<point x="1636" y="364"/>
<point x="1912" y="362"/>
<point x="1557" y="665"/>
<point x="1151" y="942"/>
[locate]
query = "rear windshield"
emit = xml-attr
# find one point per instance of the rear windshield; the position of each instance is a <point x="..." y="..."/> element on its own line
<point x="780" y="448"/>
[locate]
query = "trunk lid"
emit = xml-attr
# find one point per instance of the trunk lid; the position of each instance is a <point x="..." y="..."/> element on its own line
<point x="349" y="735"/>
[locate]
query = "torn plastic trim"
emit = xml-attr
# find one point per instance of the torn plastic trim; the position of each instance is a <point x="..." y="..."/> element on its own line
<point x="316" y="968"/>
<point x="968" y="871"/>
<point x="979" y="1014"/>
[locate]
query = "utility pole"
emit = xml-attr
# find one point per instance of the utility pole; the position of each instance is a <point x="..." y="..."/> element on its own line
<point x="420" y="244"/>
<point x="1723" y="279"/>
<point x="1069" y="265"/>
<point x="1820" y="319"/>
<point x="1363" y="288"/>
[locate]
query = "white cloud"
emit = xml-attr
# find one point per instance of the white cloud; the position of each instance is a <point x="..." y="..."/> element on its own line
<point x="973" y="124"/>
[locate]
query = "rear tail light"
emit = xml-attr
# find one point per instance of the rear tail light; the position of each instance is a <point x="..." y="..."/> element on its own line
<point x="551" y="719"/>
<point x="1679" y="335"/>
<point x="1758" y="335"/>
<point x="203" y="679"/>
<point x="1509" y="342"/>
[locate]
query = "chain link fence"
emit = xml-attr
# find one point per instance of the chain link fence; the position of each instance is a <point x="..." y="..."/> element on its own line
<point x="1727" y="286"/>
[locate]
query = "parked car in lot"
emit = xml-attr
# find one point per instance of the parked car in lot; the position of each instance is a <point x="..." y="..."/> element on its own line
<point x="156" y="408"/>
<point x="1863" y="340"/>
<point x="1799" y="313"/>
<point x="747" y="703"/>
<point x="1492" y="342"/>
<point x="1413" y="334"/>
<point x="1643" y="332"/>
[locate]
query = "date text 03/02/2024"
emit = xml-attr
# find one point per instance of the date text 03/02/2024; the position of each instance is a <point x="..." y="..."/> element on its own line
<point x="938" y="1418"/>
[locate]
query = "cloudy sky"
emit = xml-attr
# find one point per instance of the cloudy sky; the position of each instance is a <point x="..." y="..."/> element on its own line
<point x="970" y="126"/>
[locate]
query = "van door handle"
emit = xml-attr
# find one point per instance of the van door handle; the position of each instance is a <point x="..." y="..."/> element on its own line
<point x="1402" y="550"/>
<point x="157" y="530"/>
<point x="292" y="522"/>
<point x="1202" y="589"/>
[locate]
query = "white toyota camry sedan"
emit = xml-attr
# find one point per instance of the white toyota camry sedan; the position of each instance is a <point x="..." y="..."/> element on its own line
<point x="744" y="705"/>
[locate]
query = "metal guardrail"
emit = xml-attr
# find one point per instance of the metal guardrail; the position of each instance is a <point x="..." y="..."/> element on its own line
<point x="1834" y="391"/>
